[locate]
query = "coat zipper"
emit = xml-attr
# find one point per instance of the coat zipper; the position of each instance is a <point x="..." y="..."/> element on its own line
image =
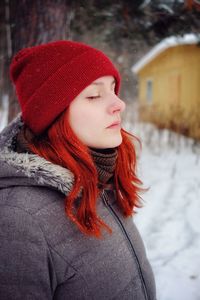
<point x="128" y="239"/>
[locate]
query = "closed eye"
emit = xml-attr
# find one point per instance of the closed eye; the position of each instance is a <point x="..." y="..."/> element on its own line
<point x="93" y="97"/>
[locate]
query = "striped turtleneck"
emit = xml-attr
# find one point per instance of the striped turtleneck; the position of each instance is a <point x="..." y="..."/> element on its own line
<point x="105" y="161"/>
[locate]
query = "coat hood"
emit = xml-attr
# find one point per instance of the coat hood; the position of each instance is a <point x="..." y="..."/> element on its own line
<point x="24" y="169"/>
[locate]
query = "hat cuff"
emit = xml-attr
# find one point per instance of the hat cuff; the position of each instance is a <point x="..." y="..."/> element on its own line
<point x="56" y="93"/>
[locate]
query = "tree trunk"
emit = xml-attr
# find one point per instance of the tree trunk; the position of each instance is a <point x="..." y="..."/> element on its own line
<point x="32" y="23"/>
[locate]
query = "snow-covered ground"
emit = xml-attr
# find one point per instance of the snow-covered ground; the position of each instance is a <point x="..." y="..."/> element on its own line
<point x="169" y="222"/>
<point x="4" y="112"/>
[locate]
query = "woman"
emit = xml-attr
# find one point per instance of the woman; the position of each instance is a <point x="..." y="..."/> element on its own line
<point x="68" y="186"/>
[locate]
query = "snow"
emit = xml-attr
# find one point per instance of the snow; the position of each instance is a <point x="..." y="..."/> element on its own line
<point x="4" y="112"/>
<point x="169" y="222"/>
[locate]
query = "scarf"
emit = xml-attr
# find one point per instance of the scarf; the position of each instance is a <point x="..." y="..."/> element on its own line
<point x="105" y="162"/>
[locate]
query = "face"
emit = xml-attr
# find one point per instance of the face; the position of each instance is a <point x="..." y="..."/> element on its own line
<point x="95" y="114"/>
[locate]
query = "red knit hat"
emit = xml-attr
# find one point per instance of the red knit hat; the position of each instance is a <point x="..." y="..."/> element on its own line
<point x="49" y="76"/>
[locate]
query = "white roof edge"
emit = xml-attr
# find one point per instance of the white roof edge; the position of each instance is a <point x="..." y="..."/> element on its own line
<point x="187" y="39"/>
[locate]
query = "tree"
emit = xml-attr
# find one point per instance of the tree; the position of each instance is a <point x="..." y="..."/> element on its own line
<point x="26" y="23"/>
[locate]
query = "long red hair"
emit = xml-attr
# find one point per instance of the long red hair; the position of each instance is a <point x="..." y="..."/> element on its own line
<point x="61" y="146"/>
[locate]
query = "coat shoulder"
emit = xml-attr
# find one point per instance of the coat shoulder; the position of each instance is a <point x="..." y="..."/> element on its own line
<point x="30" y="198"/>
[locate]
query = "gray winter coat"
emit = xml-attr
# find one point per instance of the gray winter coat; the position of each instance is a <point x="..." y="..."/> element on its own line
<point x="42" y="253"/>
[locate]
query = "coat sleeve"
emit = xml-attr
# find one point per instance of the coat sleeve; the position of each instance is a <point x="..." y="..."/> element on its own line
<point x="25" y="260"/>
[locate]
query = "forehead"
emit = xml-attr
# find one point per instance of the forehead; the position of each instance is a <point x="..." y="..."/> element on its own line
<point x="103" y="81"/>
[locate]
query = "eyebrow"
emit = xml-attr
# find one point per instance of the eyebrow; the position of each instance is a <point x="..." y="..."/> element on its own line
<point x="102" y="83"/>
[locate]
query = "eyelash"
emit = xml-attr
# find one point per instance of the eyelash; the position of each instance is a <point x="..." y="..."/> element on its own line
<point x="98" y="96"/>
<point x="93" y="97"/>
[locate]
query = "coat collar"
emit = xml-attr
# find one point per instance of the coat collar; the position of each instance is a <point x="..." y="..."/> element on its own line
<point x="32" y="166"/>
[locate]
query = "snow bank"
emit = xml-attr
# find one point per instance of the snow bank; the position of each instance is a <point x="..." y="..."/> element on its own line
<point x="4" y="112"/>
<point x="170" y="219"/>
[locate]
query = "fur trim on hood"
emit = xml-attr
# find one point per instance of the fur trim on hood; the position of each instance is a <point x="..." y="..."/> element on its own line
<point x="30" y="166"/>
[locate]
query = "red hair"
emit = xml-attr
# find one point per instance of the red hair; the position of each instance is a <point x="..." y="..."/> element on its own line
<point x="61" y="146"/>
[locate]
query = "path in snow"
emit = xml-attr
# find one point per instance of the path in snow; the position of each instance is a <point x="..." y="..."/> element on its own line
<point x="170" y="219"/>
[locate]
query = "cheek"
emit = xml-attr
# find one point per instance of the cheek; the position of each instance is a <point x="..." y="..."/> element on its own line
<point x="81" y="119"/>
<point x="76" y="120"/>
<point x="84" y="122"/>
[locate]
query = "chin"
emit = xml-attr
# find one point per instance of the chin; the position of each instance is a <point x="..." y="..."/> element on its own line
<point x="109" y="142"/>
<point x="114" y="143"/>
<point x="105" y="145"/>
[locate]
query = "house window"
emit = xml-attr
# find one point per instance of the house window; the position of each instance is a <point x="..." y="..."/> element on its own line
<point x="149" y="91"/>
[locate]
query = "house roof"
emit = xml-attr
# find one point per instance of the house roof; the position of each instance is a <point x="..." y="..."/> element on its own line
<point x="187" y="39"/>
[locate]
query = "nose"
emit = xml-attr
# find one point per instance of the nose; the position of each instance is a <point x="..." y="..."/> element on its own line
<point x="116" y="105"/>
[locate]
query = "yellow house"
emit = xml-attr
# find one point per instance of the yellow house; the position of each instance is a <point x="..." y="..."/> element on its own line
<point x="169" y="85"/>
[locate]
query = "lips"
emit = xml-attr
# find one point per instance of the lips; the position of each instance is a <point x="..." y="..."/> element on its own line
<point x="114" y="124"/>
